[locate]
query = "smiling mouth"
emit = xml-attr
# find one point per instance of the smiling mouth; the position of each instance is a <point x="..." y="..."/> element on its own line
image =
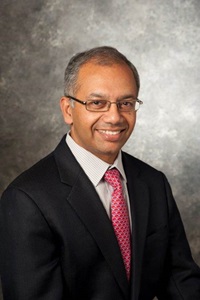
<point x="109" y="132"/>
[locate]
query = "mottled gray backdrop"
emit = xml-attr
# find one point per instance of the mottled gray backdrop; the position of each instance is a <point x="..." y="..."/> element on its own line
<point x="162" y="39"/>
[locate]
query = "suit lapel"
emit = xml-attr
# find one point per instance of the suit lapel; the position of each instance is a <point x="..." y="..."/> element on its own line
<point x="139" y="202"/>
<point x="85" y="201"/>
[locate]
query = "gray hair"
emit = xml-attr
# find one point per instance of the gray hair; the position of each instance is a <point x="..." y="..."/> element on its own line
<point x="104" y="55"/>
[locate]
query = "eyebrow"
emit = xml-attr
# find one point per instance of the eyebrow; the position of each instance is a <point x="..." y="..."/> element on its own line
<point x="127" y="96"/>
<point x="99" y="95"/>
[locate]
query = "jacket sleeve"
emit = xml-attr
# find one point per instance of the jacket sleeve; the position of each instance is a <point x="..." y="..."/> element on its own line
<point x="183" y="275"/>
<point x="29" y="259"/>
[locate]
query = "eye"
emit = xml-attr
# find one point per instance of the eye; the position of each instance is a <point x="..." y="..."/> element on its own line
<point x="127" y="103"/>
<point x="96" y="104"/>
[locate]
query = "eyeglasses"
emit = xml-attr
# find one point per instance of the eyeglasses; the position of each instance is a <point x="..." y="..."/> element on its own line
<point x="125" y="105"/>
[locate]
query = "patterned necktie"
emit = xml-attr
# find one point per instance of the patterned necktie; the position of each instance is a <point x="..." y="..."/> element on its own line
<point x="120" y="217"/>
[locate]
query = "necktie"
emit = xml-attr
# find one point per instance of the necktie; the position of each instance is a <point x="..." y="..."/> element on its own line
<point x="120" y="217"/>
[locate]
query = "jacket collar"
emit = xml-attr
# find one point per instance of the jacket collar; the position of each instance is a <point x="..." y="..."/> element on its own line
<point x="139" y="202"/>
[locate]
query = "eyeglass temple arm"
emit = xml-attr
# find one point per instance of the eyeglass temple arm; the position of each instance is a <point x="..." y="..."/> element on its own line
<point x="75" y="99"/>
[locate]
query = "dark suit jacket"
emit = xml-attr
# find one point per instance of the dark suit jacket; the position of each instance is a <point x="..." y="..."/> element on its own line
<point x="57" y="241"/>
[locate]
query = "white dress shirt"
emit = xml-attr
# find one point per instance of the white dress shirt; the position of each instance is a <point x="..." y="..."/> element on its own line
<point x="95" y="169"/>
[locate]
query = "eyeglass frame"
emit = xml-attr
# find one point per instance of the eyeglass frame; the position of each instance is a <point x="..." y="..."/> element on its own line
<point x="107" y="101"/>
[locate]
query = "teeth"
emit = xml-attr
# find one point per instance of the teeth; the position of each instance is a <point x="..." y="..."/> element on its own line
<point x="110" y="132"/>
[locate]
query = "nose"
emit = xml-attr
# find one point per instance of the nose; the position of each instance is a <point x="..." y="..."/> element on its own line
<point x="113" y="115"/>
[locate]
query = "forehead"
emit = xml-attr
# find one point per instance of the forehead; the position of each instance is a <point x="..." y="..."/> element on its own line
<point x="113" y="76"/>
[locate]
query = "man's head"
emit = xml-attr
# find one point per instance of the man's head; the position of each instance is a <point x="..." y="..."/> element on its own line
<point x="95" y="75"/>
<point x="105" y="56"/>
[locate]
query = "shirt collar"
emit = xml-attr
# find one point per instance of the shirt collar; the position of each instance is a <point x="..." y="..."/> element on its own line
<point x="93" y="166"/>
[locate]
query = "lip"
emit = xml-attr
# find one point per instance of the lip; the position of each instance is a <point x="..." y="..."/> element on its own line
<point x="110" y="132"/>
<point x="111" y="135"/>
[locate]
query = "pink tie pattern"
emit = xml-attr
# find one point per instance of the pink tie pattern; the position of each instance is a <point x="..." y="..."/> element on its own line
<point x="120" y="217"/>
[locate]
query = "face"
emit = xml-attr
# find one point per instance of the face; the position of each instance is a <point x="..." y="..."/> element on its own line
<point x="101" y="133"/>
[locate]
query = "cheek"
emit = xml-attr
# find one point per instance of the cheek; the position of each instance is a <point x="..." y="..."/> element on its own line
<point x="131" y="119"/>
<point x="84" y="122"/>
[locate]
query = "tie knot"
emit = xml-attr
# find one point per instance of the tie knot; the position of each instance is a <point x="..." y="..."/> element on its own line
<point x="112" y="176"/>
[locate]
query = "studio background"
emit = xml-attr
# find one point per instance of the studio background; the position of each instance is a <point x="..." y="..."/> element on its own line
<point x="162" y="38"/>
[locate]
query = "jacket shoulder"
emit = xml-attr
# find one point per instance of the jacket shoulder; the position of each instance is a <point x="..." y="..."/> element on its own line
<point x="42" y="173"/>
<point x="36" y="174"/>
<point x="138" y="164"/>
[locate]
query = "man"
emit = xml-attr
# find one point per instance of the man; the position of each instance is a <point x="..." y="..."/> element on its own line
<point x="67" y="232"/>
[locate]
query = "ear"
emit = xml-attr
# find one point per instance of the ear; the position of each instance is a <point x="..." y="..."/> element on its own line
<point x="66" y="109"/>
